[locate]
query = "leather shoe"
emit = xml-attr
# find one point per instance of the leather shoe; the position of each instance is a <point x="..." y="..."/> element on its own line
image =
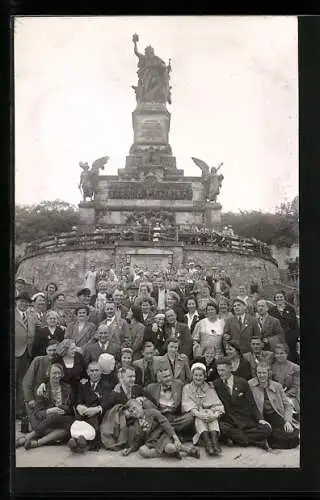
<point x="73" y="445"/>
<point x="194" y="452"/>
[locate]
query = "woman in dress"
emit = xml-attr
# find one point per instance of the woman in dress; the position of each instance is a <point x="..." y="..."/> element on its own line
<point x="53" y="413"/>
<point x="240" y="367"/>
<point x="208" y="331"/>
<point x="173" y="302"/>
<point x="275" y="408"/>
<point x="192" y="315"/>
<point x="72" y="363"/>
<point x="81" y="331"/>
<point x="46" y="333"/>
<point x="202" y="401"/>
<point x="287" y="374"/>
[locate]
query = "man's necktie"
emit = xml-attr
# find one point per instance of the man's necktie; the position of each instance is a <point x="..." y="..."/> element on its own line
<point x="25" y="319"/>
<point x="240" y="321"/>
<point x="228" y="388"/>
<point x="148" y="374"/>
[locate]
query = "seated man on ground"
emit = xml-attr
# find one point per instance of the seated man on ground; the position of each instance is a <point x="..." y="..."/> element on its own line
<point x="275" y="407"/>
<point x="168" y="394"/>
<point x="88" y="405"/>
<point x="241" y="422"/>
<point x="155" y="435"/>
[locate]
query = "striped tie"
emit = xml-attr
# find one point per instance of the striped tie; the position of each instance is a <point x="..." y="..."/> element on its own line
<point x="25" y="319"/>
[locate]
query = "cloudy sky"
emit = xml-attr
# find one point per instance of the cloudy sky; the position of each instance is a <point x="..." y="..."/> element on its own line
<point x="234" y="99"/>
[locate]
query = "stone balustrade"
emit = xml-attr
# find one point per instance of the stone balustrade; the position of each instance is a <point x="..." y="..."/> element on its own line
<point x="117" y="236"/>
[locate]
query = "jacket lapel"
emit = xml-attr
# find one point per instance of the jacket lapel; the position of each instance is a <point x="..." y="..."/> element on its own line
<point x="177" y="367"/>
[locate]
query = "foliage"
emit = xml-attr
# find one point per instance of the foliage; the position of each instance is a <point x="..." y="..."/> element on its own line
<point x="280" y="228"/>
<point x="43" y="220"/>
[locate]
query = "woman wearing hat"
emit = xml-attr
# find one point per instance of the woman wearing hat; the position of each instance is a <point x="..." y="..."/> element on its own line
<point x="208" y="331"/>
<point x="275" y="408"/>
<point x="53" y="413"/>
<point x="203" y="402"/>
<point x="239" y="366"/>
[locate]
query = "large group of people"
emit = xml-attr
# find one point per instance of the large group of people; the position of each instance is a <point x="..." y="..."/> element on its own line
<point x="158" y="364"/>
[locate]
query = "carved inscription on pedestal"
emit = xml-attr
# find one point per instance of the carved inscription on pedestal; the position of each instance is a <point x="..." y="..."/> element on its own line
<point x="155" y="191"/>
<point x="151" y="130"/>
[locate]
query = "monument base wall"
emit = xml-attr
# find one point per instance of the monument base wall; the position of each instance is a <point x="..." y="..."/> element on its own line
<point x="68" y="268"/>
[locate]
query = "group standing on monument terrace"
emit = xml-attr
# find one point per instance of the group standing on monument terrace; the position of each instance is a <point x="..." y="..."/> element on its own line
<point x="145" y="362"/>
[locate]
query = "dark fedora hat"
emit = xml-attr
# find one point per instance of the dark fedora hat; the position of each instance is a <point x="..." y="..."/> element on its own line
<point x="84" y="291"/>
<point x="23" y="296"/>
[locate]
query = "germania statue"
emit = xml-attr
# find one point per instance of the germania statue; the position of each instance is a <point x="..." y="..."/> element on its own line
<point x="153" y="76"/>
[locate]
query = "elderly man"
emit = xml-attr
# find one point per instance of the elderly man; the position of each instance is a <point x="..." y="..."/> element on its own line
<point x="155" y="333"/>
<point x="106" y="342"/>
<point x="179" y="330"/>
<point x="90" y="395"/>
<point x="241" y="423"/>
<point x="257" y="354"/>
<point x="24" y="337"/>
<point x="241" y="327"/>
<point x="118" y="327"/>
<point x="270" y="327"/>
<point x="167" y="392"/>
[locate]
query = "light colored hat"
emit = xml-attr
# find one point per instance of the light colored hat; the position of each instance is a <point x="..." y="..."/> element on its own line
<point x="82" y="428"/>
<point x="199" y="366"/>
<point x="106" y="362"/>
<point x="36" y="295"/>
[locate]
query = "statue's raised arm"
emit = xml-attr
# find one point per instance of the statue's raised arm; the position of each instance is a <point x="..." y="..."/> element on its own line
<point x="135" y="39"/>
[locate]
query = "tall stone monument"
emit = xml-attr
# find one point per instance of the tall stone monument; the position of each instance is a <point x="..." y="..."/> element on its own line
<point x="151" y="179"/>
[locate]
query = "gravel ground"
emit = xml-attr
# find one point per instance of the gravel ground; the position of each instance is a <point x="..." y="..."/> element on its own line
<point x="61" y="456"/>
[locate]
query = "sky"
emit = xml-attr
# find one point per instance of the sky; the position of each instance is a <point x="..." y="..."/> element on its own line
<point x="234" y="100"/>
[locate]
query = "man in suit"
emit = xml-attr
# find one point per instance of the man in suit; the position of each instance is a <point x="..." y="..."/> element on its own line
<point x="176" y="362"/>
<point x="119" y="330"/>
<point x="127" y="389"/>
<point x="159" y="293"/>
<point x="155" y="333"/>
<point x="241" y="423"/>
<point x="24" y="336"/>
<point x="147" y="365"/>
<point x="241" y="327"/>
<point x="132" y="293"/>
<point x="183" y="289"/>
<point x="120" y="309"/>
<point x="168" y="394"/>
<point x="145" y="314"/>
<point x="106" y="343"/>
<point x="180" y="330"/>
<point x="90" y="395"/>
<point x="286" y="314"/>
<point x="257" y="354"/>
<point x="270" y="328"/>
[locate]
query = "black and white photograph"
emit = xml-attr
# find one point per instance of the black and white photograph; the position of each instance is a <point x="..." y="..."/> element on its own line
<point x="157" y="313"/>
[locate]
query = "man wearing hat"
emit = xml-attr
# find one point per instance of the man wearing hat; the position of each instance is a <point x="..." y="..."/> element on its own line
<point x="24" y="337"/>
<point x="242" y="326"/>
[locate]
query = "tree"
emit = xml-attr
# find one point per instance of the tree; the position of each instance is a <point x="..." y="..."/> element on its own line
<point x="43" y="220"/>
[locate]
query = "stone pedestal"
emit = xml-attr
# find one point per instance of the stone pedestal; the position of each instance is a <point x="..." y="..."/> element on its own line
<point x="87" y="213"/>
<point x="212" y="214"/>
